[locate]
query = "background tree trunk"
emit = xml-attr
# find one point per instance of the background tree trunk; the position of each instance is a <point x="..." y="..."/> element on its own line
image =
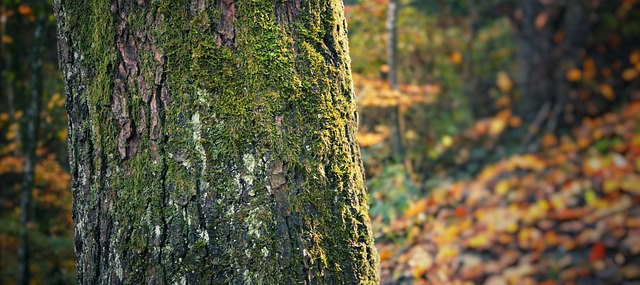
<point x="30" y="129"/>
<point x="214" y="143"/>
<point x="549" y="40"/>
<point x="392" y="79"/>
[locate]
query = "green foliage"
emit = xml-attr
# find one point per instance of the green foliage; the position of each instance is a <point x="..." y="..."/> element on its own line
<point x="391" y="192"/>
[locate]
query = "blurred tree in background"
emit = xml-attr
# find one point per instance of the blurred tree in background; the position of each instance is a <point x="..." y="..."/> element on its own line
<point x="480" y="80"/>
<point x="486" y="91"/>
<point x="35" y="201"/>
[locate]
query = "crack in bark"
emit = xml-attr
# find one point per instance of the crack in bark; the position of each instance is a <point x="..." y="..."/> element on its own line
<point x="226" y="31"/>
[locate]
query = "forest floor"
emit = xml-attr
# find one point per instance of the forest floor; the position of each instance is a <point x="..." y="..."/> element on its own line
<point x="567" y="214"/>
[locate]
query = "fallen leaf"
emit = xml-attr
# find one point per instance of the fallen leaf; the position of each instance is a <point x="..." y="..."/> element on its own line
<point x="541" y="20"/>
<point x="590" y="70"/>
<point x="629" y="74"/>
<point x="24" y="9"/>
<point x="574" y="75"/>
<point x="607" y="91"/>
<point x="631" y="184"/>
<point x="504" y="82"/>
<point x="456" y="57"/>
<point x="598" y="251"/>
<point x="461" y="211"/>
<point x="631" y="271"/>
<point x="385" y="254"/>
<point x="502" y="187"/>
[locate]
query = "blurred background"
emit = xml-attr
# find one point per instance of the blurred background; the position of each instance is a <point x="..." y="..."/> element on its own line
<point x="501" y="140"/>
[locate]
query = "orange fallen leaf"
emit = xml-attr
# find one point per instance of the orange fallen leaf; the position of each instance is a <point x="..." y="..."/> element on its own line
<point x="598" y="251"/>
<point x="416" y="208"/>
<point x="385" y="255"/>
<point x="574" y="75"/>
<point x="504" y="82"/>
<point x="607" y="91"/>
<point x="629" y="74"/>
<point x="549" y="140"/>
<point x="503" y="102"/>
<point x="461" y="211"/>
<point x="541" y="20"/>
<point x="515" y="121"/>
<point x="590" y="69"/>
<point x="634" y="57"/>
<point x="24" y="9"/>
<point x="569" y="214"/>
<point x="631" y="271"/>
<point x="456" y="57"/>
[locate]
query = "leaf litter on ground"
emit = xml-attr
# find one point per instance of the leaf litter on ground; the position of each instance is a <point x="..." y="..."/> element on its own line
<point x="567" y="214"/>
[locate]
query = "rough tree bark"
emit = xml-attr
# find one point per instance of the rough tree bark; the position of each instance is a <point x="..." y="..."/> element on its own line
<point x="213" y="142"/>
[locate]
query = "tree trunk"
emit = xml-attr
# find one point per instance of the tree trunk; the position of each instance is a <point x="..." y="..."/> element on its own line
<point x="392" y="61"/>
<point x="549" y="39"/>
<point x="214" y="143"/>
<point x="32" y="111"/>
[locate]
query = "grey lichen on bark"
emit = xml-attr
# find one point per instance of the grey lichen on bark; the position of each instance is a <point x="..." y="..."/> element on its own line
<point x="213" y="142"/>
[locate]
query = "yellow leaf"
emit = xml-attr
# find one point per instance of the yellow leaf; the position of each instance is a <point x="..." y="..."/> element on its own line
<point x="512" y="227"/>
<point x="631" y="184"/>
<point x="503" y="81"/>
<point x="574" y="75"/>
<point x="447" y="141"/>
<point x="590" y="197"/>
<point x="502" y="187"/>
<point x="607" y="92"/>
<point x="496" y="126"/>
<point x="369" y="139"/>
<point x="416" y="208"/>
<point x="610" y="185"/>
<point x="529" y="161"/>
<point x="478" y="241"/>
<point x="533" y="213"/>
<point x="558" y="202"/>
<point x="446" y="253"/>
<point x="543" y="205"/>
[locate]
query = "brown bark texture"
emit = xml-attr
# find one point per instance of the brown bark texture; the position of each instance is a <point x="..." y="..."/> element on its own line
<point x="213" y="142"/>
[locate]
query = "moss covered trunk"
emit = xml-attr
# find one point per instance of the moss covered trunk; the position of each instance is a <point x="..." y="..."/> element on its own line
<point x="213" y="142"/>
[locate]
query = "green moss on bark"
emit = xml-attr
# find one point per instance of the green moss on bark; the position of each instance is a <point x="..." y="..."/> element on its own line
<point x="255" y="177"/>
